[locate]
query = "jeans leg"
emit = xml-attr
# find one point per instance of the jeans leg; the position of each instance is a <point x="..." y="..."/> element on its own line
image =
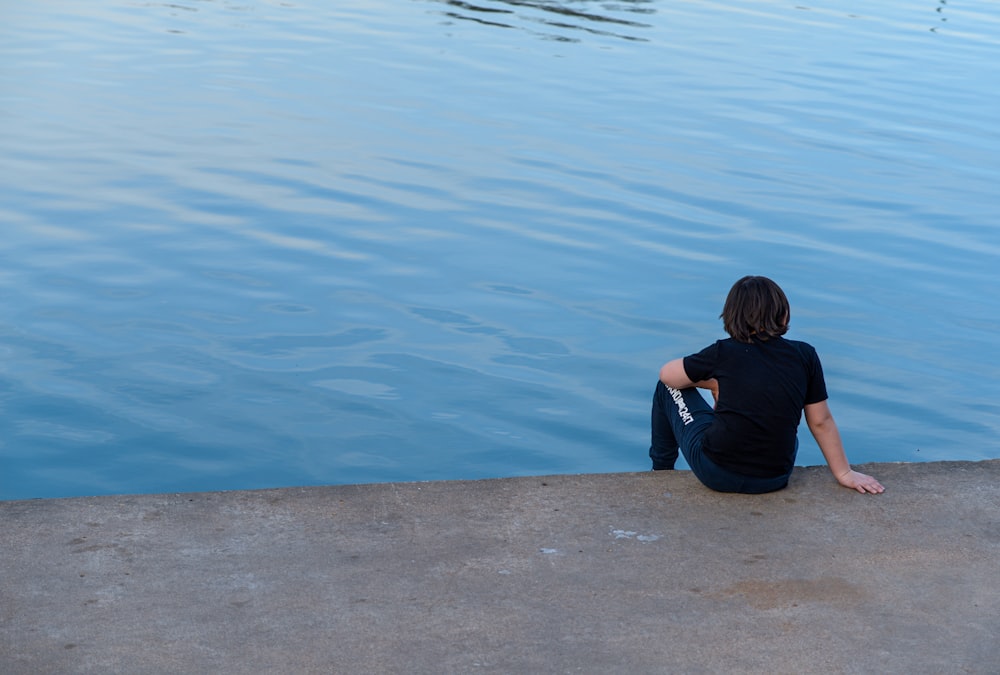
<point x="689" y="416"/>
<point x="680" y="417"/>
<point x="663" y="445"/>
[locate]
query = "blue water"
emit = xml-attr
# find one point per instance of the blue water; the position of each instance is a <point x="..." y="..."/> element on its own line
<point x="265" y="243"/>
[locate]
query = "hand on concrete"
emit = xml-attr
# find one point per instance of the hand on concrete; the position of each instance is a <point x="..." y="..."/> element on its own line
<point x="861" y="482"/>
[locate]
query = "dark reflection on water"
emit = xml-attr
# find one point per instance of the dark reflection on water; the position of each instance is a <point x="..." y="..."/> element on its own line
<point x="580" y="16"/>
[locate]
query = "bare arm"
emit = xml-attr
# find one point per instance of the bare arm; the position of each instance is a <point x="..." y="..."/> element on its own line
<point x="824" y="430"/>
<point x="673" y="375"/>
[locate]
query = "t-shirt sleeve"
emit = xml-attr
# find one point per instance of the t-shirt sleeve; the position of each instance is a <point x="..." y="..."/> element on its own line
<point x="816" y="389"/>
<point x="701" y="366"/>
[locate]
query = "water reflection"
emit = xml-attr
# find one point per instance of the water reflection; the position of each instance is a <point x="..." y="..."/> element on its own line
<point x="567" y="19"/>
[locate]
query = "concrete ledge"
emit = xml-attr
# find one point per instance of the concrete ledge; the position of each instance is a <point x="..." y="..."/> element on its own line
<point x="609" y="573"/>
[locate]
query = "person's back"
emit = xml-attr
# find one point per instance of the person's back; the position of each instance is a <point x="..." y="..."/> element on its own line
<point x="762" y="382"/>
<point x="763" y="387"/>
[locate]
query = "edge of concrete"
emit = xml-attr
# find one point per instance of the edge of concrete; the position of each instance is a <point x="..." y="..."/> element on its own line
<point x="633" y="572"/>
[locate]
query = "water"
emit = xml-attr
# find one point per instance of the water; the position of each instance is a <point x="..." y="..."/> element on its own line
<point x="254" y="244"/>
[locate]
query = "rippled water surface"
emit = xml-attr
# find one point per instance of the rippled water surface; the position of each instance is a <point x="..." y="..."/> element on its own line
<point x="252" y="244"/>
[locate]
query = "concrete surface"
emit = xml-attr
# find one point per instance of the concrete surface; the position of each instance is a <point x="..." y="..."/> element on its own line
<point x="611" y="573"/>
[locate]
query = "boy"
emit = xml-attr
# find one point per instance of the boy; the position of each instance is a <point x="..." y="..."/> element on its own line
<point x="761" y="384"/>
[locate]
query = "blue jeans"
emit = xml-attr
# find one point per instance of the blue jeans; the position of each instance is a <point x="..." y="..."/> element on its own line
<point x="680" y="418"/>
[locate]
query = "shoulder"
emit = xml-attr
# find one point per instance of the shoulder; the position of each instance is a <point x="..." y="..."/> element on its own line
<point x="805" y="350"/>
<point x="727" y="344"/>
<point x="706" y="358"/>
<point x="717" y="355"/>
<point x="718" y="347"/>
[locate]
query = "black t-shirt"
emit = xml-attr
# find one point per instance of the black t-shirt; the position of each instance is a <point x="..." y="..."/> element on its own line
<point x="763" y="386"/>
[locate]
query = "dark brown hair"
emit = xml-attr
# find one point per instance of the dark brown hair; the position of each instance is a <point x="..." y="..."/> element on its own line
<point x="755" y="306"/>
